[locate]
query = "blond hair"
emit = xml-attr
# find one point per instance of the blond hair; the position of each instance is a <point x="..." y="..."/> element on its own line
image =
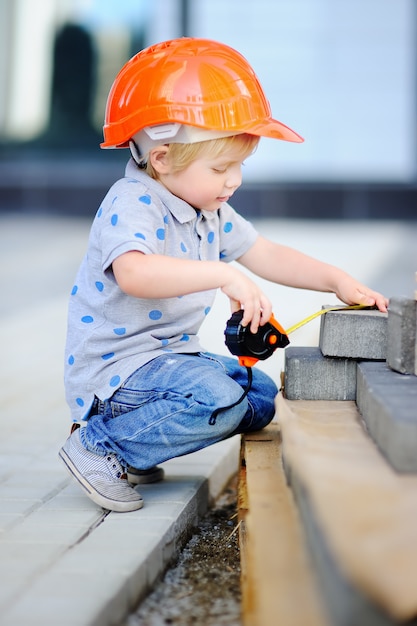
<point x="182" y="155"/>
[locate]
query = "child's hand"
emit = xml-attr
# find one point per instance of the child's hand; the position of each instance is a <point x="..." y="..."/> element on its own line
<point x="351" y="291"/>
<point x="245" y="294"/>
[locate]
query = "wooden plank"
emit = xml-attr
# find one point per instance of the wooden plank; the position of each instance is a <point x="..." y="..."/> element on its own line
<point x="363" y="512"/>
<point x="277" y="582"/>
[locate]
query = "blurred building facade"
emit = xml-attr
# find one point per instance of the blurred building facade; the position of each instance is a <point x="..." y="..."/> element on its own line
<point x="342" y="74"/>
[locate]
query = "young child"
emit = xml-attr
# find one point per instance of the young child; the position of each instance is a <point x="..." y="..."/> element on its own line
<point x="191" y="111"/>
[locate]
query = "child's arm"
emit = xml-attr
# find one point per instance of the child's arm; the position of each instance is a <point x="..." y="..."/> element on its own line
<point x="158" y="276"/>
<point x="287" y="266"/>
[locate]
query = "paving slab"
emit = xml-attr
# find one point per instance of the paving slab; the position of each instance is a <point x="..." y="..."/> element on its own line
<point x="59" y="544"/>
<point x="387" y="402"/>
<point x="311" y="376"/>
<point x="401" y="335"/>
<point x="354" y="334"/>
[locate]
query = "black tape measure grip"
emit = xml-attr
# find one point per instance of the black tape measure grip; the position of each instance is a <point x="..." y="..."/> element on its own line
<point x="252" y="347"/>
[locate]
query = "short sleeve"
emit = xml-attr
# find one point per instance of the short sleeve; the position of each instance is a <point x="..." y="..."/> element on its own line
<point x="130" y="218"/>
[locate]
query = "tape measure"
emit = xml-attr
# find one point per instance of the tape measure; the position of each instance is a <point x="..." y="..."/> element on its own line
<point x="252" y="347"/>
<point x="323" y="311"/>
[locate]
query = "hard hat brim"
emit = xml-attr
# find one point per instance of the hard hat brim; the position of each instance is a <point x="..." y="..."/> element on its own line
<point x="270" y="128"/>
<point x="275" y="130"/>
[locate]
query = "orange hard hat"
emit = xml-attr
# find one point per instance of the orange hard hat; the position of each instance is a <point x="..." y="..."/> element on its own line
<point x="196" y="82"/>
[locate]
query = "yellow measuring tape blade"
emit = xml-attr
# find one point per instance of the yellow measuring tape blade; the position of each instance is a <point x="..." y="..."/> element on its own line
<point x="322" y="312"/>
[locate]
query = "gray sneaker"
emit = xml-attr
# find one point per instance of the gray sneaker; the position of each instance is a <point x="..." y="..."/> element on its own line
<point x="144" y="477"/>
<point x="102" y="477"/>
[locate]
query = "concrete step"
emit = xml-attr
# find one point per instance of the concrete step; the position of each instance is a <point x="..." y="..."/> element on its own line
<point x="358" y="513"/>
<point x="387" y="402"/>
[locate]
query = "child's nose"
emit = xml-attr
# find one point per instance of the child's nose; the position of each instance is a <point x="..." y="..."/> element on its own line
<point x="234" y="179"/>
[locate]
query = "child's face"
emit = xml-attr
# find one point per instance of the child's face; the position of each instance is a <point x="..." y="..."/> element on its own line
<point x="208" y="181"/>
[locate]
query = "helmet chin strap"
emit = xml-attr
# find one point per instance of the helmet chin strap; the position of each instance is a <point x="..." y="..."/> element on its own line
<point x="136" y="156"/>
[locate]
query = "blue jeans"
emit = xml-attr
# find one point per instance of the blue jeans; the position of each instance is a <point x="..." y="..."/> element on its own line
<point x="163" y="409"/>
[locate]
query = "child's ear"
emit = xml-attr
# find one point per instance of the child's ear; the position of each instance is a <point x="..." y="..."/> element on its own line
<point x="159" y="160"/>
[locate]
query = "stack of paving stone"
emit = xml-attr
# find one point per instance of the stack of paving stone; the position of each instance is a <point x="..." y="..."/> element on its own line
<point x="348" y="419"/>
<point x="369" y="357"/>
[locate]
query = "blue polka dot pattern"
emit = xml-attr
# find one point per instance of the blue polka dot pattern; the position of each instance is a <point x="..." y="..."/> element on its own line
<point x="114" y="340"/>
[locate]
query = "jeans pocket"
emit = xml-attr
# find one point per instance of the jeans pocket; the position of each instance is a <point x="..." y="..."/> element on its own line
<point x="127" y="400"/>
<point x="150" y="402"/>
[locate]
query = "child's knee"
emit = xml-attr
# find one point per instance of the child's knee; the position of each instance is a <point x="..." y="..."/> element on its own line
<point x="263" y="418"/>
<point x="226" y="419"/>
<point x="264" y="385"/>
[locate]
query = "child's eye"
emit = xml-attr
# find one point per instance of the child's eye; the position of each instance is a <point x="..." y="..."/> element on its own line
<point x="218" y="170"/>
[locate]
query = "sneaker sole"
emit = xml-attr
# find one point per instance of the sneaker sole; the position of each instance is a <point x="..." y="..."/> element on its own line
<point x="105" y="503"/>
<point x="154" y="476"/>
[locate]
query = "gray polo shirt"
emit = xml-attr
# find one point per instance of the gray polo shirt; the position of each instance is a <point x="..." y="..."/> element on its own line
<point x="111" y="334"/>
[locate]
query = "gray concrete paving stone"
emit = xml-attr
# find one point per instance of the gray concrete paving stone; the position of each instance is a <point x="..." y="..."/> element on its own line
<point x="354" y="334"/>
<point x="387" y="402"/>
<point x="311" y="376"/>
<point x="401" y="335"/>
